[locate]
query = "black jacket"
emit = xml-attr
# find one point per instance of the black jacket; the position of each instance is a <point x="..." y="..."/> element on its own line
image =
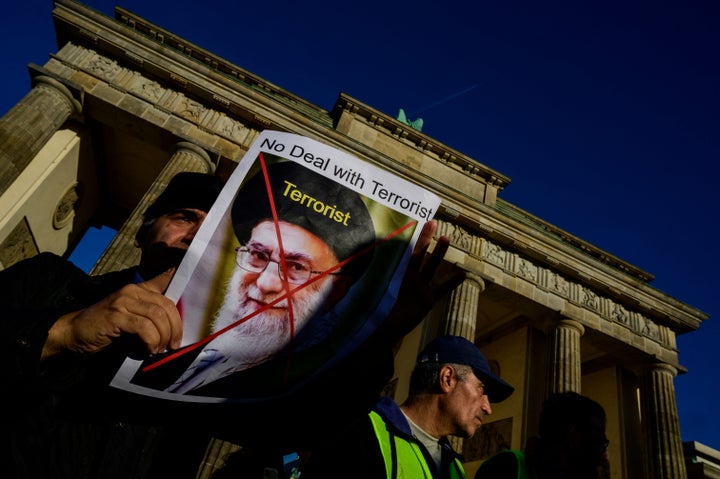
<point x="65" y="421"/>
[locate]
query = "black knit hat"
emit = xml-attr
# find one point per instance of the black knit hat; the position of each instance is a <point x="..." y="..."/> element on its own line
<point x="323" y="207"/>
<point x="186" y="190"/>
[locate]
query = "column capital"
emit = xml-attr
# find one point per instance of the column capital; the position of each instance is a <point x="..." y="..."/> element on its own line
<point x="28" y="125"/>
<point x="661" y="368"/>
<point x="198" y="150"/>
<point x="74" y="105"/>
<point x="571" y="323"/>
<point x="476" y="279"/>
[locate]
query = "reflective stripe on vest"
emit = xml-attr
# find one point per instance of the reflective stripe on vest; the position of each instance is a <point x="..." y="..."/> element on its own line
<point x="404" y="459"/>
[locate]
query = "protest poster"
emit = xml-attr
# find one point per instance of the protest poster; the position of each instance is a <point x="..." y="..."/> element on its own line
<point x="298" y="261"/>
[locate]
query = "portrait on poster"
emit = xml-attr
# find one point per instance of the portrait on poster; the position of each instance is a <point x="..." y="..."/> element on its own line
<point x="298" y="261"/>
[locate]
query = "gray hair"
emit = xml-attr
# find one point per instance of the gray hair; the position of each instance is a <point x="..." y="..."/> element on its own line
<point x="425" y="376"/>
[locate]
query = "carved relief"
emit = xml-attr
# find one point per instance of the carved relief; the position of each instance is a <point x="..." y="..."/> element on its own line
<point x="650" y="329"/>
<point x="619" y="313"/>
<point x="462" y="238"/>
<point x="527" y="270"/>
<point x="191" y="109"/>
<point x="150" y="90"/>
<point x="459" y="237"/>
<point x="232" y="129"/>
<point x="571" y="291"/>
<point x="494" y="253"/>
<point x="103" y="67"/>
<point x="166" y="99"/>
<point x="590" y="299"/>
<point x="19" y="245"/>
<point x="66" y="206"/>
<point x="558" y="284"/>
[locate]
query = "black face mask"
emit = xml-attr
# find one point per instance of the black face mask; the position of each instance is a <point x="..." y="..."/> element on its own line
<point x="158" y="258"/>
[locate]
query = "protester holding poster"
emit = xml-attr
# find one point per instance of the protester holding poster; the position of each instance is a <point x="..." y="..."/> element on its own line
<point x="66" y="420"/>
<point x="65" y="333"/>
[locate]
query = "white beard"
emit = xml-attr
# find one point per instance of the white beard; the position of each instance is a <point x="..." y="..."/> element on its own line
<point x="261" y="337"/>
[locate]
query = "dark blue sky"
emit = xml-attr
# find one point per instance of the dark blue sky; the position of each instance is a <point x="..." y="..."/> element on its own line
<point x="605" y="114"/>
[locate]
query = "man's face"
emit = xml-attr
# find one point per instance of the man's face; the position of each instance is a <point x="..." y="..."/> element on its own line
<point x="467" y="405"/>
<point x="268" y="331"/>
<point x="167" y="239"/>
<point x="177" y="228"/>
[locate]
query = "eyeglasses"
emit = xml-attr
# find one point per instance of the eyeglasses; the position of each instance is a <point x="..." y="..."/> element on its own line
<point x="256" y="261"/>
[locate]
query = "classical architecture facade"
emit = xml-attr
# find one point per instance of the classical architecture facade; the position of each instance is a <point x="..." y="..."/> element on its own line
<point x="123" y="105"/>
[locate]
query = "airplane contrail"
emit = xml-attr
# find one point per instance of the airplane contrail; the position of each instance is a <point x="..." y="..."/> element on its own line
<point x="446" y="99"/>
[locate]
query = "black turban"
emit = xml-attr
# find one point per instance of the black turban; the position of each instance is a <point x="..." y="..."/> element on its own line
<point x="186" y="190"/>
<point x="323" y="207"/>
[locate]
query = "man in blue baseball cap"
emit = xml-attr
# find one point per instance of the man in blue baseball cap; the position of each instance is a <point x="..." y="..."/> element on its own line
<point x="451" y="391"/>
<point x="458" y="350"/>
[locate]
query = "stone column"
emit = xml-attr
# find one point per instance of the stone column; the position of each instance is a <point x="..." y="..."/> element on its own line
<point x="661" y="425"/>
<point x="461" y="316"/>
<point x="122" y="253"/>
<point x="461" y="319"/>
<point x="28" y="125"/>
<point x="565" y="363"/>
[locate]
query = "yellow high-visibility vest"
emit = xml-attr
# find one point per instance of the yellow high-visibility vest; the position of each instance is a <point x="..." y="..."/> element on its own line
<point x="404" y="459"/>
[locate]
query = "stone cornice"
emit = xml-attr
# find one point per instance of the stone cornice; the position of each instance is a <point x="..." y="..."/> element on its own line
<point x="423" y="143"/>
<point x="591" y="274"/>
<point x="205" y="57"/>
<point x="147" y="48"/>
